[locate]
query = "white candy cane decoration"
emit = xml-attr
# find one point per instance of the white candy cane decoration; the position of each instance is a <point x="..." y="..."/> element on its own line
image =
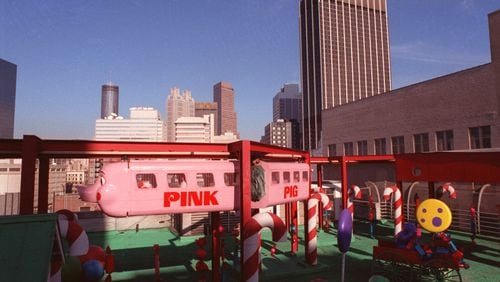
<point x="312" y="208"/>
<point x="355" y="191"/>
<point x="251" y="244"/>
<point x="73" y="233"/>
<point x="448" y="188"/>
<point x="398" y="207"/>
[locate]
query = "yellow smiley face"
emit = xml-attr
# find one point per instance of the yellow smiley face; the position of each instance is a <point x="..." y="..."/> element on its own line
<point x="434" y="215"/>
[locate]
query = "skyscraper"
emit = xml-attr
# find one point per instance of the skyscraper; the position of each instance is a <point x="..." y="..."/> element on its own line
<point x="344" y="57"/>
<point x="206" y="108"/>
<point x="287" y="106"/>
<point x="226" y="116"/>
<point x="178" y="106"/>
<point x="109" y="100"/>
<point x="8" y="76"/>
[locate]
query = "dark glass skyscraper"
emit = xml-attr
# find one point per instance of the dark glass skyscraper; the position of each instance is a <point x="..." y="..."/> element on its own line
<point x="287" y="106"/>
<point x="344" y="47"/>
<point x="109" y="100"/>
<point x="8" y="77"/>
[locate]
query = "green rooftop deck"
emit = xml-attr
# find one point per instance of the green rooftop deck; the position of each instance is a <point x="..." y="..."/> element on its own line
<point x="135" y="260"/>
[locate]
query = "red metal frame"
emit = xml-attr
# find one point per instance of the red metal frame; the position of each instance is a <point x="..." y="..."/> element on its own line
<point x="343" y="161"/>
<point x="431" y="167"/>
<point x="31" y="148"/>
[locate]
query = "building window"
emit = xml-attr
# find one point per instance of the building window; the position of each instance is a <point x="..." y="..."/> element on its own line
<point x="363" y="148"/>
<point x="444" y="140"/>
<point x="275" y="177"/>
<point x="332" y="150"/>
<point x="480" y="137"/>
<point x="230" y="178"/>
<point x="205" y="179"/>
<point x="380" y="147"/>
<point x="145" y="180"/>
<point x="421" y="142"/>
<point x="398" y="144"/>
<point x="176" y="180"/>
<point x="348" y="149"/>
<point x="296" y="176"/>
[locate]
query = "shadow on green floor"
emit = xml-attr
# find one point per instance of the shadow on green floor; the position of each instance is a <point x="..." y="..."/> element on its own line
<point x="135" y="257"/>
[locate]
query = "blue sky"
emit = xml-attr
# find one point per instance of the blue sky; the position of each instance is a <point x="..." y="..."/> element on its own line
<point x="65" y="51"/>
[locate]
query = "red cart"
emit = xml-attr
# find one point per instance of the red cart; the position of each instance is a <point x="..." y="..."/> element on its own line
<point x="404" y="264"/>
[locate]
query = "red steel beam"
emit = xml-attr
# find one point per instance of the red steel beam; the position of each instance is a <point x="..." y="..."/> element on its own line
<point x="11" y="148"/>
<point x="43" y="185"/>
<point x="30" y="149"/>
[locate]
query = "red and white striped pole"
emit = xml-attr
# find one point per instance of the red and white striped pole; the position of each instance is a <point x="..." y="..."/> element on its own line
<point x="312" y="209"/>
<point x="398" y="207"/>
<point x="78" y="240"/>
<point x="448" y="188"/>
<point x="355" y="192"/>
<point x="251" y="232"/>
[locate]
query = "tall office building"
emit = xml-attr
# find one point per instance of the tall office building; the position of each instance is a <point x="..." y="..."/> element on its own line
<point x="178" y="106"/>
<point x="279" y="133"/>
<point x="109" y="100"/>
<point x="344" y="57"/>
<point x="287" y="105"/>
<point x="226" y="116"/>
<point x="206" y="108"/>
<point x="8" y="76"/>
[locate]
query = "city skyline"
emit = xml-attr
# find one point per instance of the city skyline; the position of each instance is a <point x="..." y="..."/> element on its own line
<point x="65" y="52"/>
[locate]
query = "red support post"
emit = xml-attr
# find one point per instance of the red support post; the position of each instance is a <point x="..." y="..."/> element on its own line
<point x="320" y="186"/>
<point x="295" y="222"/>
<point x="306" y="226"/>
<point x="43" y="185"/>
<point x="30" y="148"/>
<point x="287" y="216"/>
<point x="215" y="219"/>
<point x="243" y="150"/>
<point x="320" y="177"/>
<point x="343" y="174"/>
<point x="431" y="188"/>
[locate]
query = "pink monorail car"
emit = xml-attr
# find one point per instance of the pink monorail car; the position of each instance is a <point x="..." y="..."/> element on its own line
<point x="144" y="187"/>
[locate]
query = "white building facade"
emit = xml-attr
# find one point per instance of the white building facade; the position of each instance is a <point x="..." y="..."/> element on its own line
<point x="145" y="124"/>
<point x="195" y="129"/>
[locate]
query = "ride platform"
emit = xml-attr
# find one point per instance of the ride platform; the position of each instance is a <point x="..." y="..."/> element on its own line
<point x="134" y="256"/>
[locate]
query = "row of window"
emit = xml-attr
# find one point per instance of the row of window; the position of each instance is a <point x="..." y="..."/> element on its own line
<point x="179" y="180"/>
<point x="3" y="169"/>
<point x="479" y="137"/>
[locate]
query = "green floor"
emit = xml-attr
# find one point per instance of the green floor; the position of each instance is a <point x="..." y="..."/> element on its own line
<point x="135" y="260"/>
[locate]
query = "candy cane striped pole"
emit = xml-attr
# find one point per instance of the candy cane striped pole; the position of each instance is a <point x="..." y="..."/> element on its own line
<point x="312" y="208"/>
<point x="398" y="206"/>
<point x="355" y="191"/>
<point x="55" y="271"/>
<point x="448" y="188"/>
<point x="73" y="233"/>
<point x="251" y="232"/>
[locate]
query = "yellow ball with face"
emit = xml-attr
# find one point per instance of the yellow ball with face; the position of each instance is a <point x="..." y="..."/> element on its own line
<point x="434" y="215"/>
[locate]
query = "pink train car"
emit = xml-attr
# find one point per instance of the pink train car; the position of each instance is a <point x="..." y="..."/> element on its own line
<point x="144" y="187"/>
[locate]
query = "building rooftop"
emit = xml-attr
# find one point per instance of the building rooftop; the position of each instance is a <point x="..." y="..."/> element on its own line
<point x="134" y="256"/>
